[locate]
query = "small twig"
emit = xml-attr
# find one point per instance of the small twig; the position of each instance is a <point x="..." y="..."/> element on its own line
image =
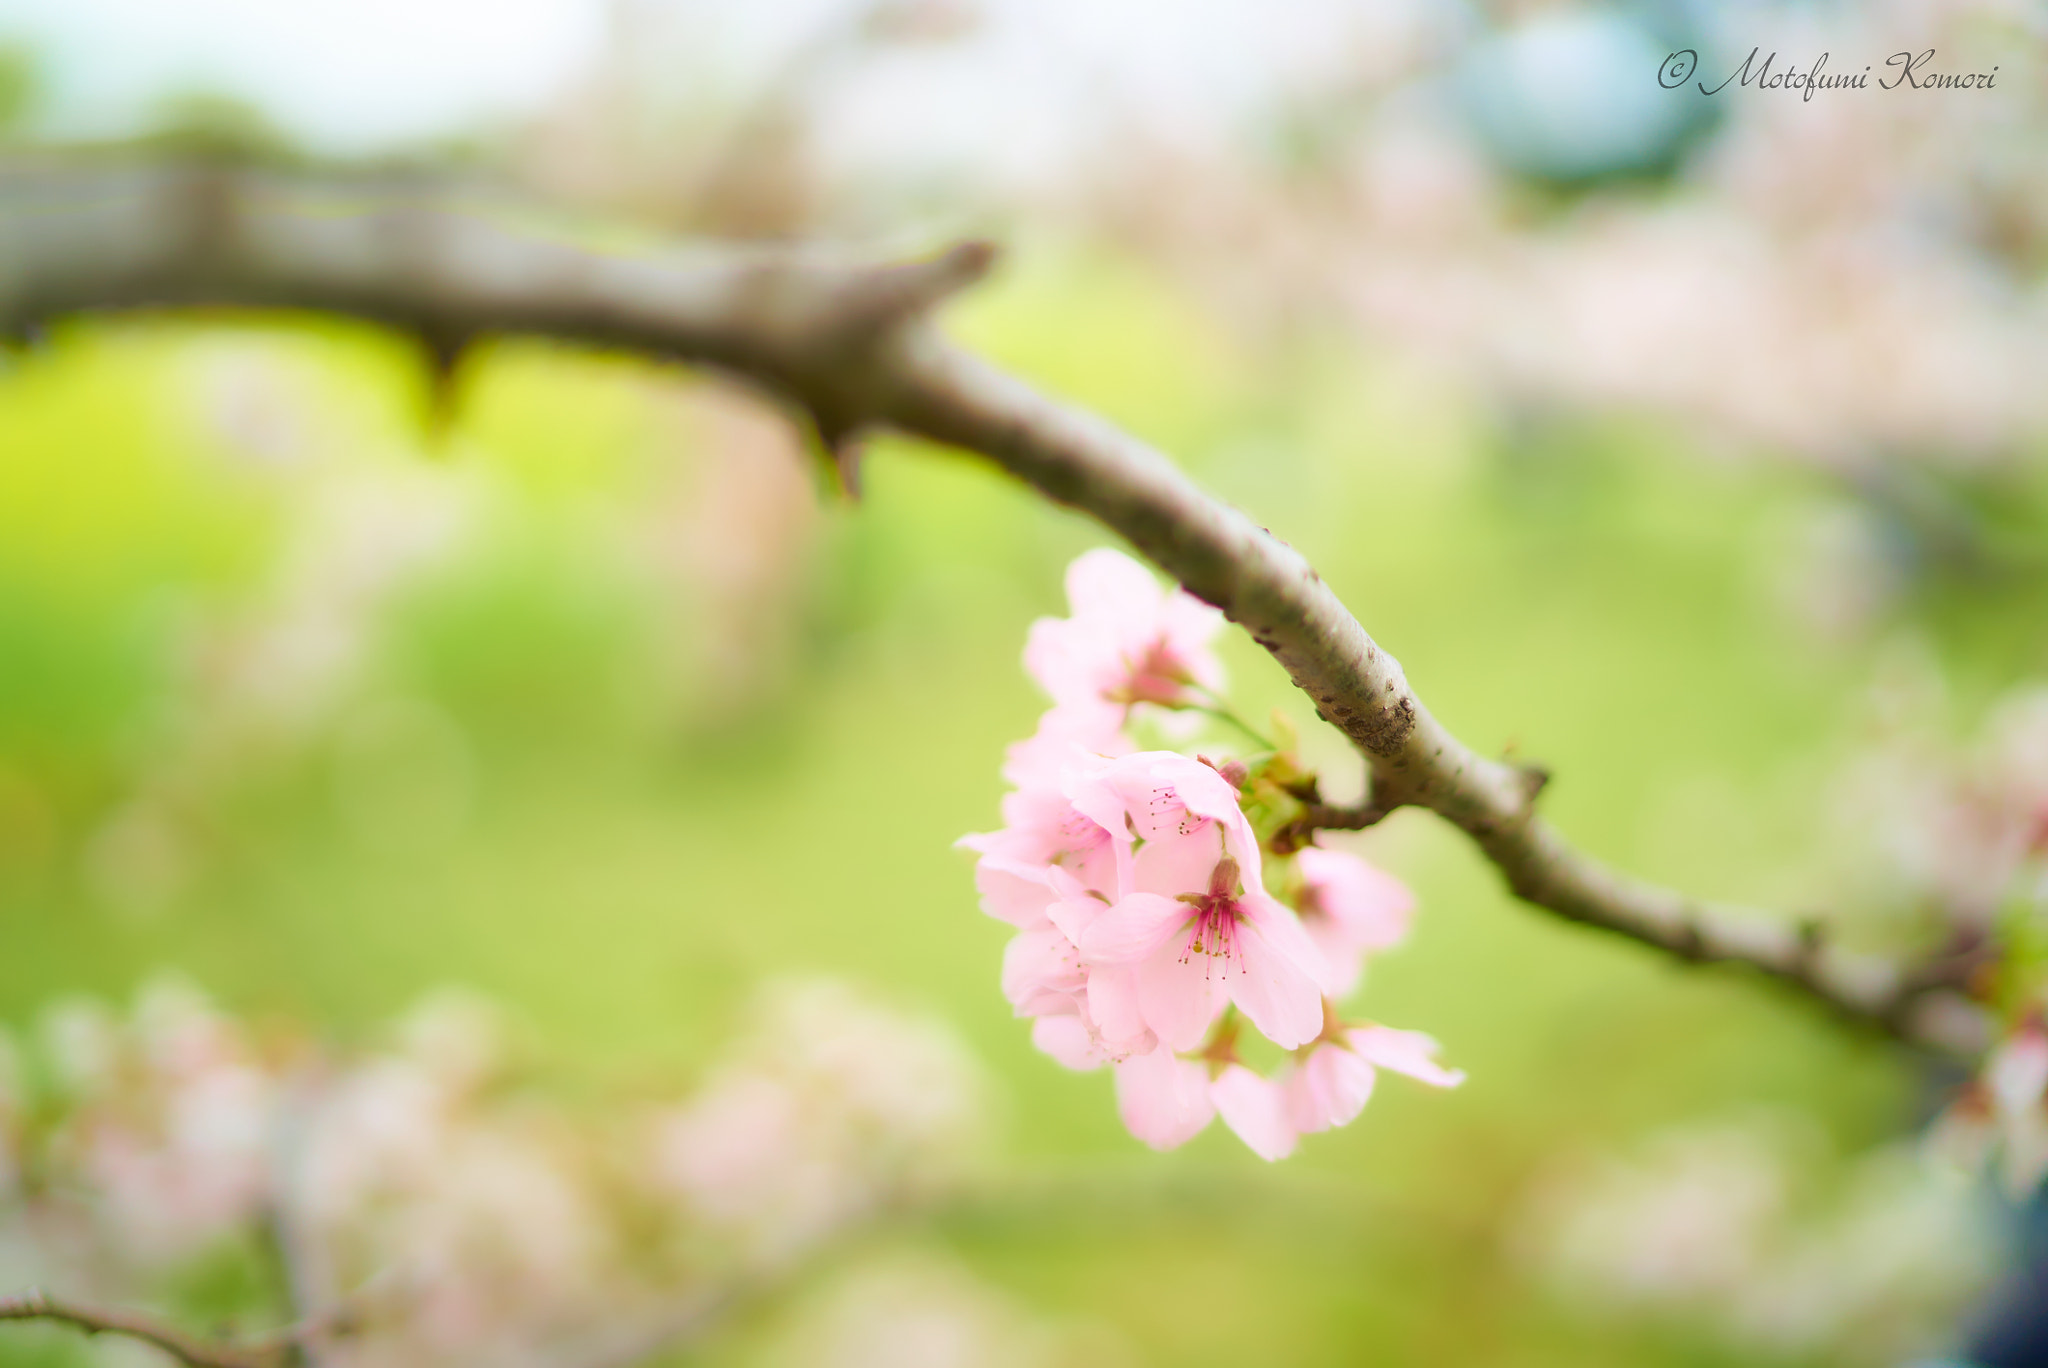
<point x="320" y="1317"/>
<point x="1330" y="817"/>
<point x="36" y="1304"/>
<point x="1222" y="713"/>
<point x="299" y="1343"/>
<point x="1317" y="815"/>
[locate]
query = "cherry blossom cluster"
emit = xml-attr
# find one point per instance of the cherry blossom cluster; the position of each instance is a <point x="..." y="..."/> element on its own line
<point x="148" y="1136"/>
<point x="1163" y="902"/>
<point x="442" y="1197"/>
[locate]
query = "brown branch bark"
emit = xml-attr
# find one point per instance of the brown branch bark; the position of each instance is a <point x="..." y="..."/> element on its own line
<point x="851" y="344"/>
<point x="39" y="1305"/>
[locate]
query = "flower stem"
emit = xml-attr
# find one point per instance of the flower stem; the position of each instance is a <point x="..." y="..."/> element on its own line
<point x="1216" y="708"/>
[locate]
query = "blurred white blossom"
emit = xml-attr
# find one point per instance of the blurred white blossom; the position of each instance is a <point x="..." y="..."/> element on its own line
<point x="828" y="1107"/>
<point x="1733" y="1225"/>
<point x="464" y="1214"/>
<point x="923" y="1313"/>
<point x="1940" y="833"/>
<point x="1999" y="1119"/>
<point x="167" y="1123"/>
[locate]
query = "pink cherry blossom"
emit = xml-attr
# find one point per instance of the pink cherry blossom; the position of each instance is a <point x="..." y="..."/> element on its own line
<point x="1135" y="884"/>
<point x="1164" y="1100"/>
<point x="1065" y="737"/>
<point x="1068" y="1039"/>
<point x="1042" y="830"/>
<point x="1191" y="928"/>
<point x="1191" y="956"/>
<point x="1256" y="1109"/>
<point x="1050" y="874"/>
<point x="1044" y="976"/>
<point x="1112" y="1012"/>
<point x="1331" y="1086"/>
<point x="1350" y="910"/>
<point x="1012" y="889"/>
<point x="1128" y="641"/>
<point x="1042" y="973"/>
<point x="1170" y="819"/>
<point x="1405" y="1052"/>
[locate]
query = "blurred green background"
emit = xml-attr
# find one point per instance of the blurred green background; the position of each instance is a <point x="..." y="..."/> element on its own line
<point x="503" y="794"/>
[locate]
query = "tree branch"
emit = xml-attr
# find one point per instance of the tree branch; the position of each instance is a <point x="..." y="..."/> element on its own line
<point x="36" y="1304"/>
<point x="851" y="345"/>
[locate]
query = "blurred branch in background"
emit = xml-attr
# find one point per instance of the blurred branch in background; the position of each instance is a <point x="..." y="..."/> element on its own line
<point x="850" y="345"/>
<point x="455" y="1209"/>
<point x="39" y="1305"/>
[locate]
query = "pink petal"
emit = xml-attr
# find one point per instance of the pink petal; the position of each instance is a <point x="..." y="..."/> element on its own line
<point x="1371" y="908"/>
<point x="1039" y="825"/>
<point x="1200" y="791"/>
<point x="1104" y="793"/>
<point x="1008" y="843"/>
<point x="1194" y="786"/>
<point x="1068" y="735"/>
<point x="1111" y="588"/>
<point x="1329" y="1089"/>
<point x="1180" y="994"/>
<point x="1067" y="886"/>
<point x="1121" y="620"/>
<point x="1275" y="988"/>
<point x="1012" y="891"/>
<point x="1099" y="802"/>
<point x="1163" y="1099"/>
<point x="1133" y="929"/>
<point x="1153" y="791"/>
<point x="1067" y="1040"/>
<point x="1040" y="962"/>
<point x="1343" y="960"/>
<point x="1405" y="1052"/>
<point x="1175" y="864"/>
<point x="1155" y="796"/>
<point x="1073" y="916"/>
<point x="1065" y="658"/>
<point x="1255" y="1109"/>
<point x="1189" y="625"/>
<point x="1281" y="929"/>
<point x="1042" y="828"/>
<point x="1114" y="1008"/>
<point x="1167" y="788"/>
